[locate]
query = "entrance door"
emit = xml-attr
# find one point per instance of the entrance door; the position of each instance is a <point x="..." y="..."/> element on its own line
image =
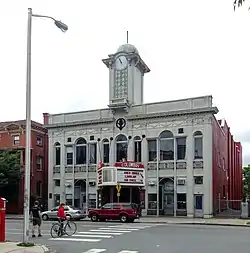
<point x="198" y="205"/>
<point x="168" y="204"/>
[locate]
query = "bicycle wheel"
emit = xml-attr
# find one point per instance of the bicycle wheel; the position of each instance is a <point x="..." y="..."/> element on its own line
<point x="70" y="228"/>
<point x="55" y="230"/>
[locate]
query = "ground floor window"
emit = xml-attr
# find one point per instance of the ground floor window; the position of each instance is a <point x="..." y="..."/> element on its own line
<point x="152" y="201"/>
<point x="56" y="199"/>
<point x="181" y="201"/>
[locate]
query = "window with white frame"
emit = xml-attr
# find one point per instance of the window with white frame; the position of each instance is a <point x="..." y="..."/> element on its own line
<point x="92" y="153"/>
<point x="198" y="145"/>
<point x="137" y="149"/>
<point x="16" y="140"/>
<point x="57" y="153"/>
<point x="198" y="179"/>
<point x="121" y="148"/>
<point x="166" y="146"/>
<point x="181" y="148"/>
<point x="106" y="150"/>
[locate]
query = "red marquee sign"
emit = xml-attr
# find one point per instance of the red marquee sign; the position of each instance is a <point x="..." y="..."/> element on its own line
<point x="129" y="164"/>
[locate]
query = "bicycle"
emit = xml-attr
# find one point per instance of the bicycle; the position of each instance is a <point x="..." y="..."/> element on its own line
<point x="69" y="228"/>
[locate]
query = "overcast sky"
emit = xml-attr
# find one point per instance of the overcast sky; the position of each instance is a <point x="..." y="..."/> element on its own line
<point x="193" y="48"/>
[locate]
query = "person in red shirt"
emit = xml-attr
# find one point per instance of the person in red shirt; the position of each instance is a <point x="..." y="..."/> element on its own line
<point x="61" y="216"/>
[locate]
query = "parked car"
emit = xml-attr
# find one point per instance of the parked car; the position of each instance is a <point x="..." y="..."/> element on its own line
<point x="72" y="212"/>
<point x="125" y="212"/>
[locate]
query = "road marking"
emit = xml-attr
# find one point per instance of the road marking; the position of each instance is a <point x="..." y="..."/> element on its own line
<point x="95" y="251"/>
<point x="128" y="251"/>
<point x="75" y="239"/>
<point x="93" y="236"/>
<point x="131" y="229"/>
<point x="100" y="233"/>
<point x="20" y="233"/>
<point x="115" y="231"/>
<point x="121" y="226"/>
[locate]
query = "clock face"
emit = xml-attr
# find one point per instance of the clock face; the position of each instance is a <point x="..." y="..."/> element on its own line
<point x="121" y="63"/>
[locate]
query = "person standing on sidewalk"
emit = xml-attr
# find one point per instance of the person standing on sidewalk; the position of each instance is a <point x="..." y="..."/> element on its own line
<point x="36" y="219"/>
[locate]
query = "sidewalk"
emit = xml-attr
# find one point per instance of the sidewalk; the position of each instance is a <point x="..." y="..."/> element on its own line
<point x="12" y="247"/>
<point x="177" y="220"/>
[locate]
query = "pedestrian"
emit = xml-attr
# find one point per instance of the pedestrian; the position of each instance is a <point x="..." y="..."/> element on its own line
<point x="36" y="219"/>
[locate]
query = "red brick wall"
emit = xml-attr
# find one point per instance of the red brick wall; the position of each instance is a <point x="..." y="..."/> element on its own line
<point x="6" y="141"/>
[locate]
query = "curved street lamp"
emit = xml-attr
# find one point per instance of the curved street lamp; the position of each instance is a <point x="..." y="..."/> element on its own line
<point x="63" y="27"/>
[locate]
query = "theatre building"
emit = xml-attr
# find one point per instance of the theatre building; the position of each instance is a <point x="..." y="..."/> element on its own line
<point x="132" y="151"/>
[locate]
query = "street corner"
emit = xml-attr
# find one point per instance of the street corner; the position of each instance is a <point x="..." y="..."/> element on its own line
<point x="16" y="247"/>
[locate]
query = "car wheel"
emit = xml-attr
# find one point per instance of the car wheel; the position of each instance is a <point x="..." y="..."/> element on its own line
<point x="123" y="218"/>
<point x="94" y="217"/>
<point x="45" y="217"/>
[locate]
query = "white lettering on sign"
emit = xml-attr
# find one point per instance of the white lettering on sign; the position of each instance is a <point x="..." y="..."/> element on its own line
<point x="130" y="176"/>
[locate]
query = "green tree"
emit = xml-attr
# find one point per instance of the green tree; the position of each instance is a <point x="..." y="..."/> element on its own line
<point x="246" y="182"/>
<point x="10" y="173"/>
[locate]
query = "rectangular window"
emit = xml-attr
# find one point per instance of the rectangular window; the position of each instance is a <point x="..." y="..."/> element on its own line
<point x="166" y="149"/>
<point x="38" y="188"/>
<point x="137" y="151"/>
<point x="39" y="141"/>
<point x="92" y="153"/>
<point x="181" y="201"/>
<point x="152" y="150"/>
<point x="198" y="179"/>
<point x="107" y="175"/>
<point x="152" y="200"/>
<point x="70" y="158"/>
<point x="39" y="162"/>
<point x="106" y="152"/>
<point x="81" y="154"/>
<point x="181" y="148"/>
<point x="58" y="156"/>
<point x="57" y="182"/>
<point x="16" y="140"/>
<point x="198" y="149"/>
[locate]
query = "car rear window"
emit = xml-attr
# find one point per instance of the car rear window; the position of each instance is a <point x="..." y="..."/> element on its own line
<point x="116" y="206"/>
<point x="127" y="206"/>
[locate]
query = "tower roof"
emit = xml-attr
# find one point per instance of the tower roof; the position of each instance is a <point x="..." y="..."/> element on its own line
<point x="127" y="48"/>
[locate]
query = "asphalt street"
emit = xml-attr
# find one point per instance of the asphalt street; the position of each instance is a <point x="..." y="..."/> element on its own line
<point x="114" y="237"/>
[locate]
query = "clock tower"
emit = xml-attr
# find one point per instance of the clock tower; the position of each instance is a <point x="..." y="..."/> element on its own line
<point x="126" y="74"/>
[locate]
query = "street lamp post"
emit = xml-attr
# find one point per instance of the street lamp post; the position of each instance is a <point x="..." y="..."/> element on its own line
<point x="63" y="28"/>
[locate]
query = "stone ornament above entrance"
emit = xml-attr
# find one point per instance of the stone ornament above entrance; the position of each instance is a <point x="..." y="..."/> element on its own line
<point x="120" y="123"/>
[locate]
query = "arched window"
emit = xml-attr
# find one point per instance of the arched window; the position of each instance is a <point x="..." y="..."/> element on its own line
<point x="105" y="150"/>
<point x="81" y="148"/>
<point x="57" y="153"/>
<point x="198" y="145"/>
<point x="121" y="148"/>
<point x="137" y="149"/>
<point x="166" y="146"/>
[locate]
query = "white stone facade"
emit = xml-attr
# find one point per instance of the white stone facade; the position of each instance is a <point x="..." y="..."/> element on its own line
<point x="183" y="118"/>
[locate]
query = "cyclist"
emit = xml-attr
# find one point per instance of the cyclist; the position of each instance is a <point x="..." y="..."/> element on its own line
<point x="61" y="217"/>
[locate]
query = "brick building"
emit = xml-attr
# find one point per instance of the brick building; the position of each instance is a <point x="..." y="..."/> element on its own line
<point x="12" y="136"/>
<point x="227" y="169"/>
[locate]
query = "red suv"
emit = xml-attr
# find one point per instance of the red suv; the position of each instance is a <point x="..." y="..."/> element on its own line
<point x="125" y="212"/>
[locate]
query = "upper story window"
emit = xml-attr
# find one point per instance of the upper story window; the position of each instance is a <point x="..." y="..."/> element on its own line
<point x="181" y="148"/>
<point x="69" y="158"/>
<point x="152" y="150"/>
<point x="105" y="150"/>
<point x="198" y="145"/>
<point x="16" y="140"/>
<point x="39" y="141"/>
<point x="81" y="148"/>
<point x="39" y="162"/>
<point x="166" y="146"/>
<point x="121" y="148"/>
<point x="137" y="149"/>
<point x="92" y="153"/>
<point x="198" y="179"/>
<point x="57" y="153"/>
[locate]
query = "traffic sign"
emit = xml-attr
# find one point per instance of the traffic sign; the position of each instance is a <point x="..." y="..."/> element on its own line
<point x="118" y="188"/>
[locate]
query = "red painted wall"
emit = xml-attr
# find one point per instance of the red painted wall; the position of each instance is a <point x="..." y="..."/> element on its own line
<point x="6" y="141"/>
<point x="227" y="167"/>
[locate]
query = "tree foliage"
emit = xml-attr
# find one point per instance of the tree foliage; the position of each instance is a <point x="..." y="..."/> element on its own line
<point x="10" y="169"/>
<point x="238" y="3"/>
<point x="246" y="182"/>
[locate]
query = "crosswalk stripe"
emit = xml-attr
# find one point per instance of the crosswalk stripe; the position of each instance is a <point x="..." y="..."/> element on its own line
<point x="115" y="231"/>
<point x="128" y="251"/>
<point x="100" y="233"/>
<point x="74" y="239"/>
<point x="95" y="251"/>
<point x="93" y="236"/>
<point x="131" y="229"/>
<point x="121" y="226"/>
